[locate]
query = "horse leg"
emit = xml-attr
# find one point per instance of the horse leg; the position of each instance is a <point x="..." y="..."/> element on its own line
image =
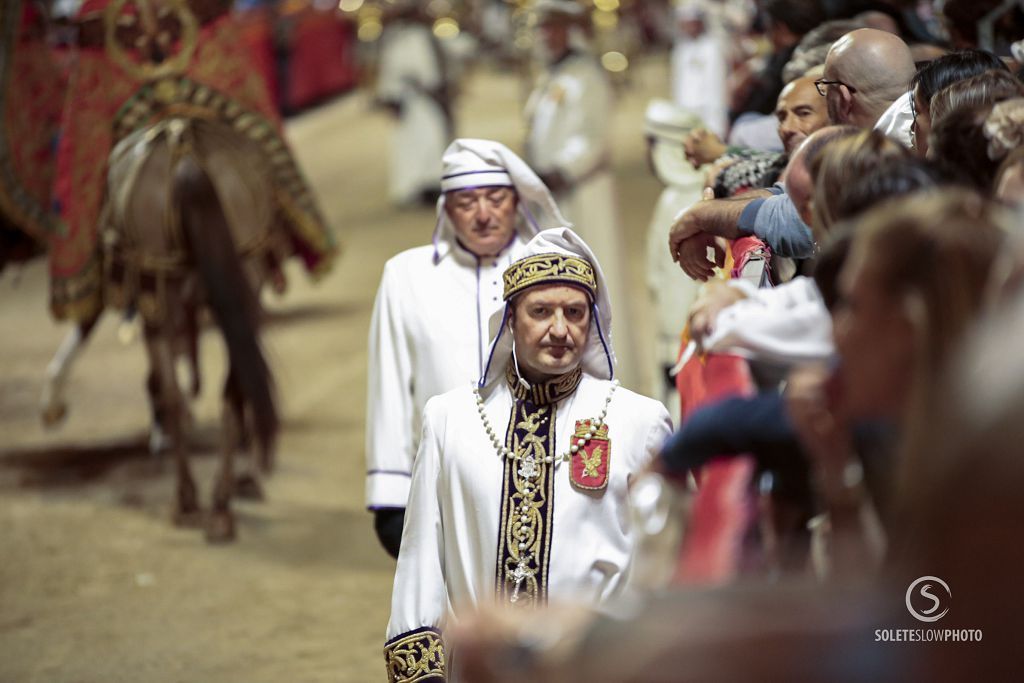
<point x="221" y="526"/>
<point x="191" y="331"/>
<point x="248" y="483"/>
<point x="53" y="406"/>
<point x="159" y="439"/>
<point x="172" y="407"/>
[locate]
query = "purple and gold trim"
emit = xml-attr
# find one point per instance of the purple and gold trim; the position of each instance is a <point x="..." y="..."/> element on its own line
<point x="415" y="656"/>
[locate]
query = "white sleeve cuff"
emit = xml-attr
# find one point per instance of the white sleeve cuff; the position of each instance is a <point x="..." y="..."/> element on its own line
<point x="387" y="489"/>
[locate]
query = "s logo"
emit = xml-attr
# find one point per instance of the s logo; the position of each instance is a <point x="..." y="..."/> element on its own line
<point x="925" y="587"/>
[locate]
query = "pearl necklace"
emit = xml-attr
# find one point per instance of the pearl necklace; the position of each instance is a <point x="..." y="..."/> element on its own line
<point x="506" y="452"/>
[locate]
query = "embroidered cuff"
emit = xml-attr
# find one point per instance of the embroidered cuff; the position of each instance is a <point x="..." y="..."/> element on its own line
<point x="415" y="656"/>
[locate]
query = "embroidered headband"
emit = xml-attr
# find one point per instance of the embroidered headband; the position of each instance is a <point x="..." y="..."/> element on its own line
<point x="547" y="269"/>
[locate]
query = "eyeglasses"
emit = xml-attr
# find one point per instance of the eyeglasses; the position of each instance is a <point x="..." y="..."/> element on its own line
<point x="822" y="84"/>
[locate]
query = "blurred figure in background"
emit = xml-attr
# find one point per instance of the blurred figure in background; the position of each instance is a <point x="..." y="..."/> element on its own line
<point x="568" y="144"/>
<point x="754" y="95"/>
<point x="666" y="126"/>
<point x="413" y="84"/>
<point x="699" y="68"/>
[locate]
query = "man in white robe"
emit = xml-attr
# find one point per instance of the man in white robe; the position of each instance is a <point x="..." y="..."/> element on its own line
<point x="412" y="83"/>
<point x="520" y="491"/>
<point x="428" y="333"/>
<point x="666" y="127"/>
<point x="569" y="145"/>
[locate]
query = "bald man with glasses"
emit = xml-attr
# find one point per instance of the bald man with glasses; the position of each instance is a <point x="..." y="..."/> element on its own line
<point x="865" y="82"/>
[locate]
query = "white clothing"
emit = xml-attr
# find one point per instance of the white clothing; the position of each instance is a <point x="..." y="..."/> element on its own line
<point x="428" y="334"/>
<point x="698" y="80"/>
<point x="568" y="114"/>
<point x="479" y="525"/>
<point x="895" y="122"/>
<point x="450" y="543"/>
<point x="672" y="290"/>
<point x="785" y="325"/>
<point x="410" y="71"/>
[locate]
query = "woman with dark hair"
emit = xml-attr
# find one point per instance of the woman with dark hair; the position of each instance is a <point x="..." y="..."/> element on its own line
<point x="936" y="75"/>
<point x="989" y="87"/>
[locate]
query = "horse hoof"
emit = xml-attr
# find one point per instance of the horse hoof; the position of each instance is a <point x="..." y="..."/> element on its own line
<point x="220" y="528"/>
<point x="188" y="519"/>
<point x="53" y="415"/>
<point x="248" y="487"/>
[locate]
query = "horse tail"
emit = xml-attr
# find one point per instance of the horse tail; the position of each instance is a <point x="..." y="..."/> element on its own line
<point x="228" y="292"/>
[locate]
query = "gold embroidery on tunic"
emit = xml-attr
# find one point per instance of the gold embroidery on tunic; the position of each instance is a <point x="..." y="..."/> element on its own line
<point x="526" y="507"/>
<point x="418" y="656"/>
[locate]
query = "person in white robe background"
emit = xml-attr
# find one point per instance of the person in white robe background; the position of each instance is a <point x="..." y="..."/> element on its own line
<point x="428" y="332"/>
<point x="666" y="126"/>
<point x="412" y="83"/>
<point x="699" y="68"/>
<point x="520" y="489"/>
<point x="568" y="143"/>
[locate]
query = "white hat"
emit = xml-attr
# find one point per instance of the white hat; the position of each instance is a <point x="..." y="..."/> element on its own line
<point x="556" y="256"/>
<point x="689" y="11"/>
<point x="558" y="9"/>
<point x="470" y="163"/>
<point x="664" y="119"/>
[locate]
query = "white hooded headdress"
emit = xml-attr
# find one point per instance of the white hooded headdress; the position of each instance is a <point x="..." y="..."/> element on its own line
<point x="470" y="163"/>
<point x="555" y="256"/>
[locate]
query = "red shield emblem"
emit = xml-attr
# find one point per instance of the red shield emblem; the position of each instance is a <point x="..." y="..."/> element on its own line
<point x="592" y="458"/>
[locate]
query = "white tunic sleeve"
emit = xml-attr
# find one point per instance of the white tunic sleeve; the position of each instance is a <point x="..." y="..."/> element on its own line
<point x="389" y="409"/>
<point x="660" y="430"/>
<point x="419" y="601"/>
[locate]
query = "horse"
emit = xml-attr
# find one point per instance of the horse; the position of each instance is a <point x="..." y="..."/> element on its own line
<point x="188" y="219"/>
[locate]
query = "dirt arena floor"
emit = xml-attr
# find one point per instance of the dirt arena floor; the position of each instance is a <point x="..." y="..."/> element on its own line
<point x="95" y="583"/>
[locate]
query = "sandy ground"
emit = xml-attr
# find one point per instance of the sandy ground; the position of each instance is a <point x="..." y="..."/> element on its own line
<point x="96" y="585"/>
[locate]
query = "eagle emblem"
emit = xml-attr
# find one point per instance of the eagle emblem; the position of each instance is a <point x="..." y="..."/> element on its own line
<point x="590" y="462"/>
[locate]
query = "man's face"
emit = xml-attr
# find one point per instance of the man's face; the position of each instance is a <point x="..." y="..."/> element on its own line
<point x="800" y="111"/>
<point x="550" y="324"/>
<point x="555" y="36"/>
<point x="692" y="28"/>
<point x="484" y="218"/>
